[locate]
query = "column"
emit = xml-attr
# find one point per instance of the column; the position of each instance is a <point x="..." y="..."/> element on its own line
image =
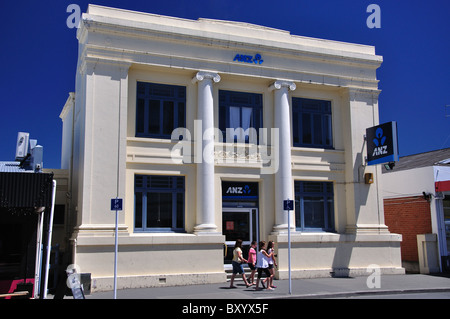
<point x="283" y="177"/>
<point x="364" y="202"/>
<point x="100" y="128"/>
<point x="204" y="137"/>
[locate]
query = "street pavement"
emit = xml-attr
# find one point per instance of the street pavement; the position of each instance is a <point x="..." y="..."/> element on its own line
<point x="316" y="288"/>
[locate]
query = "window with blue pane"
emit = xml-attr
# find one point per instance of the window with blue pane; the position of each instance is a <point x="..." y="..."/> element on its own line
<point x="311" y="123"/>
<point x="314" y="206"/>
<point x="159" y="203"/>
<point x="160" y="109"/>
<point x="240" y="116"/>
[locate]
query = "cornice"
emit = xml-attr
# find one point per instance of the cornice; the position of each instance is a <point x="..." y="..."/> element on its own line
<point x="128" y="56"/>
<point x="91" y="62"/>
<point x="70" y="103"/>
<point x="148" y="31"/>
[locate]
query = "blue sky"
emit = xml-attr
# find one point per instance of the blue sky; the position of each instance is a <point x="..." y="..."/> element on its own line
<point x="39" y="54"/>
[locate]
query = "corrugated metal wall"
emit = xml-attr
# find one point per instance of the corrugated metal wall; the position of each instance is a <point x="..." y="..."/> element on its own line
<point x="25" y="190"/>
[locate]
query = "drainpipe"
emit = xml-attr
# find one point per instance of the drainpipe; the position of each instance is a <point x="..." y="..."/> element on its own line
<point x="49" y="240"/>
<point x="37" y="263"/>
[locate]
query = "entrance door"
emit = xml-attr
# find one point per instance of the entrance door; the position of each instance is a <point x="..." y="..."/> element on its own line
<point x="239" y="223"/>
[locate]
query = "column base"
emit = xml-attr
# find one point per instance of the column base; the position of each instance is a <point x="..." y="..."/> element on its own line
<point x="366" y="229"/>
<point x="281" y="229"/>
<point x="206" y="229"/>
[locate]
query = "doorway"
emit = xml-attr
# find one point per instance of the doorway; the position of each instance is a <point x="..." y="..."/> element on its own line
<point x="239" y="223"/>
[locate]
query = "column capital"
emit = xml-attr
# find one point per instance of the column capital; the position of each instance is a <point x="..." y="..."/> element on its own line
<point x="201" y="75"/>
<point x="282" y="83"/>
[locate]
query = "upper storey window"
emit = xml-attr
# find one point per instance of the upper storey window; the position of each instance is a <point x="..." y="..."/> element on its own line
<point x="311" y="123"/>
<point x="160" y="109"/>
<point x="240" y="116"/>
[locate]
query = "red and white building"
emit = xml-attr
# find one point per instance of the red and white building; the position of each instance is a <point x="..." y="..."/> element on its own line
<point x="417" y="205"/>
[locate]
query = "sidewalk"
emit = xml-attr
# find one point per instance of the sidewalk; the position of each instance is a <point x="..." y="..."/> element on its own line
<point x="301" y="288"/>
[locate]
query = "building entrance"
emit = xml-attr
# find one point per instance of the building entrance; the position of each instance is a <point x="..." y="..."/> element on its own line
<point x="239" y="223"/>
<point x="240" y="216"/>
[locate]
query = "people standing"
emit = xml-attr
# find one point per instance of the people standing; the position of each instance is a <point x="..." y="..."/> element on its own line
<point x="252" y="262"/>
<point x="262" y="264"/>
<point x="272" y="261"/>
<point x="236" y="262"/>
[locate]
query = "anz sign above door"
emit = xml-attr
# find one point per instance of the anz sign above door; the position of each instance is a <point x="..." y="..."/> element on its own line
<point x="239" y="190"/>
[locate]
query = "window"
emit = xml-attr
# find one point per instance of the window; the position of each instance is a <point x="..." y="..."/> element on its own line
<point x="159" y="203"/>
<point x="240" y="116"/>
<point x="159" y="109"/>
<point x="314" y="206"/>
<point x="311" y="123"/>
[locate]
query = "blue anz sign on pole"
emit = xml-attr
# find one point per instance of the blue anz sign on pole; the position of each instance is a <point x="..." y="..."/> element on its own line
<point x="382" y="143"/>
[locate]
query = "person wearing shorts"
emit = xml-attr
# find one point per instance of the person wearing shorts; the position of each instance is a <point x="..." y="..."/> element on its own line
<point x="236" y="262"/>
<point x="252" y="262"/>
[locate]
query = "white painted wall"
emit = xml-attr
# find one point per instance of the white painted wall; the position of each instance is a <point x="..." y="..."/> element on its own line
<point x="119" y="47"/>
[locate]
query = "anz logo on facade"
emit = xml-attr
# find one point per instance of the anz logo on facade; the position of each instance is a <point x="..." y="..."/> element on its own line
<point x="382" y="145"/>
<point x="379" y="141"/>
<point x="238" y="190"/>
<point x="257" y="59"/>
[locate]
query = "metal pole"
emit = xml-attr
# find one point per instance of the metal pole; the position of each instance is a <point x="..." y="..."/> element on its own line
<point x="49" y="240"/>
<point x="289" y="250"/>
<point x="37" y="267"/>
<point x="116" y="244"/>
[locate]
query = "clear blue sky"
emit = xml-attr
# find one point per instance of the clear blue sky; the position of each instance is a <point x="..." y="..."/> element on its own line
<point x="39" y="54"/>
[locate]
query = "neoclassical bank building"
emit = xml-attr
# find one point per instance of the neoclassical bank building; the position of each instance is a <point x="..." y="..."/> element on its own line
<point x="204" y="127"/>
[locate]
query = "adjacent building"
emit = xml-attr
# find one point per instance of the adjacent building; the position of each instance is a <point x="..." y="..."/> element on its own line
<point x="204" y="127"/>
<point x="26" y="219"/>
<point x="417" y="206"/>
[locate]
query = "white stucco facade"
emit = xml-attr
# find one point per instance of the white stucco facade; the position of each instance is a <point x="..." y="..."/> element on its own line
<point x="119" y="48"/>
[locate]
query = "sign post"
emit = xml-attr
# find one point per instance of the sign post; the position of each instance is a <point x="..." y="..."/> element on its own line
<point x="289" y="205"/>
<point x="116" y="204"/>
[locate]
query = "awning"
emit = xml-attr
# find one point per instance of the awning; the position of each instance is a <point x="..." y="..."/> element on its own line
<point x="442" y="178"/>
<point x="25" y="190"/>
<point x="443" y="186"/>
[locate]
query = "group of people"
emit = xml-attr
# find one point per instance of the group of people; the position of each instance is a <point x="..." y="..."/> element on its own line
<point x="261" y="261"/>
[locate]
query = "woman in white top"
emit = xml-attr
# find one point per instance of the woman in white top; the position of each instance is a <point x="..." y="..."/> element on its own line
<point x="262" y="264"/>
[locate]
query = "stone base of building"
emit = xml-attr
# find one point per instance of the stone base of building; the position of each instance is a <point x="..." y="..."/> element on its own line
<point x="151" y="281"/>
<point x="149" y="260"/>
<point x="315" y="255"/>
<point x="337" y="272"/>
<point x="159" y="260"/>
